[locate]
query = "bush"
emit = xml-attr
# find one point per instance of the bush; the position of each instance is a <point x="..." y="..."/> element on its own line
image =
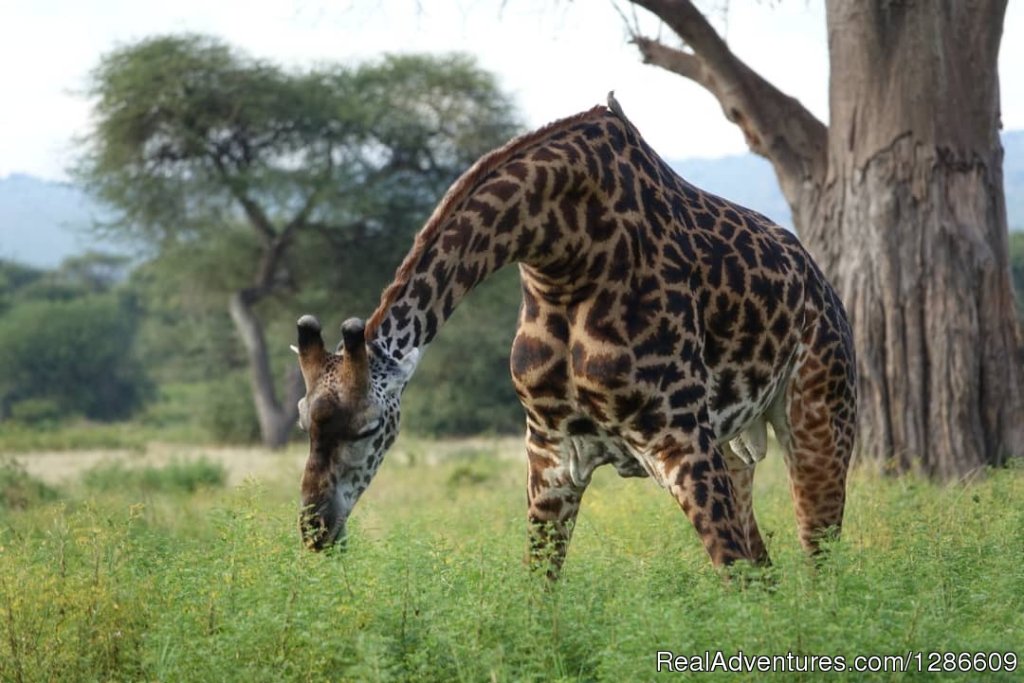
<point x="463" y="386"/>
<point x="1017" y="267"/>
<point x="36" y="412"/>
<point x="20" y="490"/>
<point x="433" y="588"/>
<point x="17" y="437"/>
<point x="178" y="476"/>
<point x="229" y="414"/>
<point x="76" y="354"/>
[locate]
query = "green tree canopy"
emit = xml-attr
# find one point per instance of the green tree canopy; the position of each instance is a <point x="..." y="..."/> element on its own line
<point x="192" y="135"/>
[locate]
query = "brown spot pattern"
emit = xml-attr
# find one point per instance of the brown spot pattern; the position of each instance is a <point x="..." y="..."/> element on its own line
<point x="658" y="323"/>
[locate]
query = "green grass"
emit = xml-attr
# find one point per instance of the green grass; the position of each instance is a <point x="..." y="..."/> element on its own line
<point x="77" y="434"/>
<point x="213" y="585"/>
<point x="179" y="476"/>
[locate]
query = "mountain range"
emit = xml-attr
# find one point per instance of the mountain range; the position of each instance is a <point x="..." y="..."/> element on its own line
<point x="42" y="222"/>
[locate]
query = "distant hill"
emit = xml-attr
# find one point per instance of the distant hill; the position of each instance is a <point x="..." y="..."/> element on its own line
<point x="750" y="181"/>
<point x="43" y="222"/>
<point x="1013" y="177"/>
<point x="745" y="179"/>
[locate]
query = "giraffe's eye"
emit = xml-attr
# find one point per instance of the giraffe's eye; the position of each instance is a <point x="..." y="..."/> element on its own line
<point x="369" y="430"/>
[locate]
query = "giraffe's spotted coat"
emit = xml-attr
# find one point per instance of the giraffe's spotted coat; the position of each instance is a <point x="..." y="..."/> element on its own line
<point x="662" y="328"/>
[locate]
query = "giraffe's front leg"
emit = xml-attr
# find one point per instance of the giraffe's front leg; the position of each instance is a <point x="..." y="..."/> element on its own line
<point x="742" y="475"/>
<point x="696" y="474"/>
<point x="553" y="496"/>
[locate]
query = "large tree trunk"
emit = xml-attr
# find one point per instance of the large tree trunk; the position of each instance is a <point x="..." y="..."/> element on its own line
<point x="913" y="230"/>
<point x="901" y="201"/>
<point x="276" y="420"/>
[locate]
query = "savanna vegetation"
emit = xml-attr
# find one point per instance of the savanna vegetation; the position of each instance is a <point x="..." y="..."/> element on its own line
<point x="165" y="574"/>
<point x="130" y="571"/>
<point x="1017" y="268"/>
<point x="68" y="342"/>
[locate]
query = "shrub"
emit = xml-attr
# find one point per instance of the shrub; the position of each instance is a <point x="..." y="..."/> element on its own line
<point x="76" y="354"/>
<point x="1017" y="267"/>
<point x="229" y="414"/>
<point x="179" y="476"/>
<point x="463" y="386"/>
<point x="36" y="412"/>
<point x="432" y="586"/>
<point x="20" y="490"/>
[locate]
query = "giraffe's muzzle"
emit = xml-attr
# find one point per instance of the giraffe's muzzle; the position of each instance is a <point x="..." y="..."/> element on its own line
<point x="321" y="525"/>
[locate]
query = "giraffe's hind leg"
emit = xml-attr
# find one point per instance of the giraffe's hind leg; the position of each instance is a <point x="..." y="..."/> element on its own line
<point x="814" y="423"/>
<point x="743" y="486"/>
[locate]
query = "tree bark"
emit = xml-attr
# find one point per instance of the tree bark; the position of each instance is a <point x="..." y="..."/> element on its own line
<point x="914" y="230"/>
<point x="276" y="420"/>
<point x="902" y="205"/>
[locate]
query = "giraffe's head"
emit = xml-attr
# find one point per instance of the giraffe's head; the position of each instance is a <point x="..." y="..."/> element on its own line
<point x="350" y="412"/>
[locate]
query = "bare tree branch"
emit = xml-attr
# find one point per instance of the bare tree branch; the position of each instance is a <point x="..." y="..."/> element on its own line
<point x="690" y="24"/>
<point x="301" y="217"/>
<point x="775" y="125"/>
<point x="686" y="64"/>
<point x="253" y="211"/>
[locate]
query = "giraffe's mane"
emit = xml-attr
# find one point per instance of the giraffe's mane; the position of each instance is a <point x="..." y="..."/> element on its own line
<point x="458" y="191"/>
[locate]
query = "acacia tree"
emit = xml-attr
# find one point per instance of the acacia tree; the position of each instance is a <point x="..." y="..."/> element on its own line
<point x="262" y="172"/>
<point x="900" y="199"/>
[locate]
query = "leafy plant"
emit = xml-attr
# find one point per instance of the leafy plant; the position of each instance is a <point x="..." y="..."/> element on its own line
<point x="38" y="412"/>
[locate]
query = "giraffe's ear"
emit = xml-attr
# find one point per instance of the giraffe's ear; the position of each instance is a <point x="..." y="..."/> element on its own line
<point x="312" y="354"/>
<point x="407" y="365"/>
<point x="401" y="371"/>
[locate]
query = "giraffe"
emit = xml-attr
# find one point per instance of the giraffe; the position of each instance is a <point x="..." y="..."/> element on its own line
<point x="662" y="329"/>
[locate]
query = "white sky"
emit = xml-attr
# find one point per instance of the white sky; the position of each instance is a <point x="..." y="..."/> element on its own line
<point x="557" y="57"/>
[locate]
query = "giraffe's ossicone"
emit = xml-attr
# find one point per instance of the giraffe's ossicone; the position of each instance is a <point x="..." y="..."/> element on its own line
<point x="662" y="329"/>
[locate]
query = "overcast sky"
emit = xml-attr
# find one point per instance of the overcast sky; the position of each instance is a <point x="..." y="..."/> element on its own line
<point x="556" y="57"/>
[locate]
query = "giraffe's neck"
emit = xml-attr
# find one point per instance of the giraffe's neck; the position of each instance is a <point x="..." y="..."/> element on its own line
<point x="538" y="201"/>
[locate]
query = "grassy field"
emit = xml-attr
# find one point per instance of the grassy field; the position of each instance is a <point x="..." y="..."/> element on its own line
<point x="187" y="566"/>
